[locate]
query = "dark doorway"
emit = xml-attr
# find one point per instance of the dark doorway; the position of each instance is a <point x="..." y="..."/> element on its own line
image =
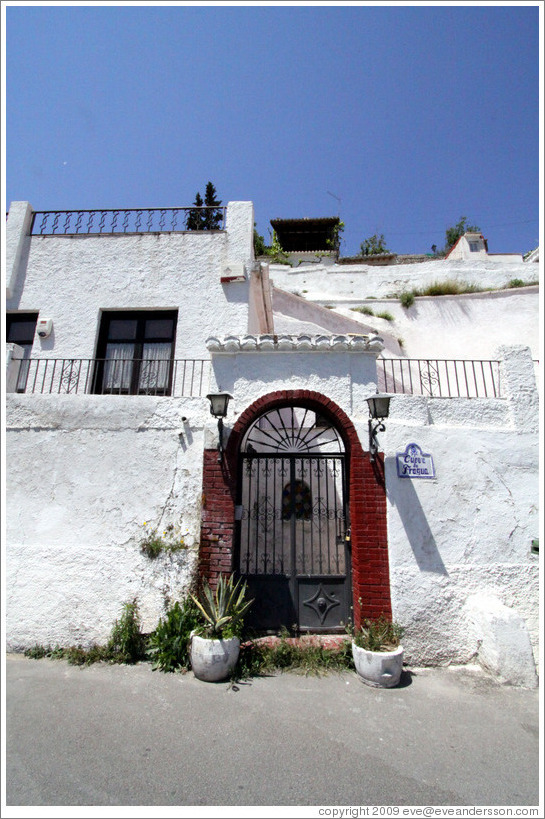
<point x="292" y="522"/>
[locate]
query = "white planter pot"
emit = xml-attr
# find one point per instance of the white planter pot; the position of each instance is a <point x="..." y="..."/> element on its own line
<point x="380" y="669"/>
<point x="213" y="660"/>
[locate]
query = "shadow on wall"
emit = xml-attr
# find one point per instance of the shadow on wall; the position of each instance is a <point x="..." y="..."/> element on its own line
<point x="414" y="521"/>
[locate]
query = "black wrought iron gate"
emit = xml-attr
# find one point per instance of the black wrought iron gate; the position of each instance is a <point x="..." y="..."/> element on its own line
<point x="293" y="536"/>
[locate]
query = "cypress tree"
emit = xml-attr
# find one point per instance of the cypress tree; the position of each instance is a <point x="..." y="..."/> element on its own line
<point x="195" y="217"/>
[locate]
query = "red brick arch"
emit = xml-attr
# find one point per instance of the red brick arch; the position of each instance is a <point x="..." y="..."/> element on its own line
<point x="366" y="497"/>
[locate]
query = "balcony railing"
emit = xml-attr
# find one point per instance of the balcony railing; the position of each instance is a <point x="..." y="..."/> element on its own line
<point x="435" y="378"/>
<point x="439" y="378"/>
<point x="137" y="220"/>
<point x="186" y="377"/>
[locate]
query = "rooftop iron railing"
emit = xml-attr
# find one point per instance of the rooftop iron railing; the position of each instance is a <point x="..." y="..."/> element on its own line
<point x="439" y="378"/>
<point x="188" y="377"/>
<point x="128" y="220"/>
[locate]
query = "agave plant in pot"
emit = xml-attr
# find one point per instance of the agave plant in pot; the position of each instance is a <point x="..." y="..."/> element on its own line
<point x="215" y="645"/>
<point x="378" y="653"/>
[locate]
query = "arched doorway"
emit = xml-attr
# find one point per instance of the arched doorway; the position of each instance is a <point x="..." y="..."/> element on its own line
<point x="292" y="521"/>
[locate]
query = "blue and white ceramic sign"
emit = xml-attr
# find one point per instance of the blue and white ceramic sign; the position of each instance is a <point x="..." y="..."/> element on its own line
<point x="413" y="463"/>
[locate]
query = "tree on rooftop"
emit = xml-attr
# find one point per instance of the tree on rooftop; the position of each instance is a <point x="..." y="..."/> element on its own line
<point x="206" y="215"/>
<point x="213" y="216"/>
<point x="453" y="233"/>
<point x="373" y="245"/>
<point x="194" y="219"/>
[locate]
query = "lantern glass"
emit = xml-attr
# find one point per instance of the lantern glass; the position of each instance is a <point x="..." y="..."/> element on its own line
<point x="379" y="405"/>
<point x="219" y="402"/>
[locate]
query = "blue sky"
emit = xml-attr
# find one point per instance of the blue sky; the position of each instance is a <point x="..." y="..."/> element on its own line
<point x="411" y="116"/>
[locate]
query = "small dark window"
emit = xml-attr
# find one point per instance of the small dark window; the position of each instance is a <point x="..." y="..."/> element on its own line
<point x="297" y="501"/>
<point x="135" y="353"/>
<point x="20" y="329"/>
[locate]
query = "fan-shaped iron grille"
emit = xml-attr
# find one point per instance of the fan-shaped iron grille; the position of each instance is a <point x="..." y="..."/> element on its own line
<point x="292" y="429"/>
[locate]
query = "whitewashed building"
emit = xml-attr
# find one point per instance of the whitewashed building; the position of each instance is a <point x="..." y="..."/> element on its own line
<point x="473" y="245"/>
<point x="120" y="324"/>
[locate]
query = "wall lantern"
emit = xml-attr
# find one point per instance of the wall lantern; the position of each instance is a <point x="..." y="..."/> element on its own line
<point x="379" y="407"/>
<point x="219" y="401"/>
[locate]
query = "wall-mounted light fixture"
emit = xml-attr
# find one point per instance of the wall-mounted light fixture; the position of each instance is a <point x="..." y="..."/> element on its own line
<point x="379" y="407"/>
<point x="219" y="401"/>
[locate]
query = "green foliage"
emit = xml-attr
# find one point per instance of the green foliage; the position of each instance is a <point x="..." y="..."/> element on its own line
<point x="259" y="243"/>
<point x="168" y="645"/>
<point x="126" y="642"/>
<point x="194" y="217"/>
<point x="452" y="234"/>
<point x="385" y="315"/>
<point x="275" y="251"/>
<point x="125" y="645"/>
<point x="308" y="657"/>
<point x="212" y="216"/>
<point x="365" y="310"/>
<point x="223" y="610"/>
<point x="380" y="634"/>
<point x="154" y="543"/>
<point x="38" y="652"/>
<point x="205" y="215"/>
<point x="449" y="287"/>
<point x="335" y="243"/>
<point x="373" y="245"/>
<point x="516" y="283"/>
<point x="74" y="655"/>
<point x="407" y="299"/>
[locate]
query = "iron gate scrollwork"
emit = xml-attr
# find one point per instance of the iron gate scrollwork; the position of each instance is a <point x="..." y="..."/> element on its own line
<point x="293" y="549"/>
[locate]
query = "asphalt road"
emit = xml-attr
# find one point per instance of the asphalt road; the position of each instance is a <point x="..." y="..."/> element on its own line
<point x="127" y="736"/>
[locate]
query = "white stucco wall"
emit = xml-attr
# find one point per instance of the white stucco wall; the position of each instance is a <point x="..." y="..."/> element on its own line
<point x="85" y="472"/>
<point x="335" y="283"/>
<point x="468" y="530"/>
<point x="70" y="279"/>
<point x="472" y="325"/>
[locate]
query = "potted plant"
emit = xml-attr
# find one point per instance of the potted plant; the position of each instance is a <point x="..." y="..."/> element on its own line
<point x="378" y="653"/>
<point x="215" y="645"/>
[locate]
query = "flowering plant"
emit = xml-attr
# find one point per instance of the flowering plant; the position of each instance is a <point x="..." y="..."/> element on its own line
<point x="155" y="542"/>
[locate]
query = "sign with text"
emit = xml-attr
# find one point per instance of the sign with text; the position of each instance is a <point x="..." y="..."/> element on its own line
<point x="413" y="463"/>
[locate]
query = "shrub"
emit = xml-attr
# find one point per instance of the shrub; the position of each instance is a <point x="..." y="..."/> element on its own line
<point x="168" y="645"/>
<point x="450" y="287"/>
<point x="516" y="283"/>
<point x="126" y="643"/>
<point x="407" y="299"/>
<point x="385" y="315"/>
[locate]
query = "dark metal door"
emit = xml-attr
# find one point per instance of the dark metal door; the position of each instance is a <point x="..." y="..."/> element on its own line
<point x="293" y="546"/>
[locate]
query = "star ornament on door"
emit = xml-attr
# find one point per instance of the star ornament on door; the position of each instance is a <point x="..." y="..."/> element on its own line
<point x="321" y="603"/>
